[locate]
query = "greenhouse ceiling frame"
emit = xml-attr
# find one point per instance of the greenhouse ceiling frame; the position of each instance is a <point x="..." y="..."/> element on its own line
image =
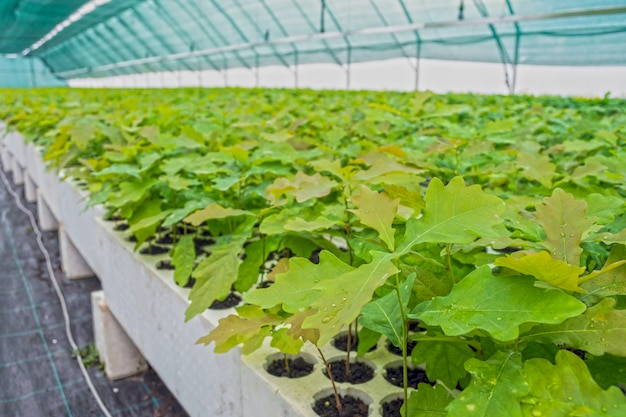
<point x="510" y="61"/>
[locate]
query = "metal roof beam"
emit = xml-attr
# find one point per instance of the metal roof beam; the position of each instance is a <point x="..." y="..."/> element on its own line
<point x="165" y="16"/>
<point x="206" y="33"/>
<point x="313" y="28"/>
<point x="368" y="31"/>
<point x="482" y="9"/>
<point x="260" y="32"/>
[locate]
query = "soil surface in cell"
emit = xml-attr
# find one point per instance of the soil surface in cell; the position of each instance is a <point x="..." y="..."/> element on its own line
<point x="360" y="372"/>
<point x="392" y="408"/>
<point x="166" y="239"/>
<point x="397" y="351"/>
<point x="120" y="227"/>
<point x="154" y="250"/>
<point x="394" y="376"/>
<point x="231" y="300"/>
<point x="341" y="342"/>
<point x="351" y="407"/>
<point x="298" y="368"/>
<point x="165" y="264"/>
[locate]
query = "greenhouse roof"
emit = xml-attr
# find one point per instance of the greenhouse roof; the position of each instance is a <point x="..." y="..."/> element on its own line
<point x="79" y="38"/>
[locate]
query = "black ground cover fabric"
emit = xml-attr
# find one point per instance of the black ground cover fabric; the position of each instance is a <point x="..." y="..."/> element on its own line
<point x="38" y="375"/>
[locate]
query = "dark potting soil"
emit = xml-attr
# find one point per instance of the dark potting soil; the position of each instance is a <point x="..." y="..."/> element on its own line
<point x="315" y="256"/>
<point x="397" y="351"/>
<point x="360" y="372"/>
<point x="414" y="326"/>
<point x="120" y="227"/>
<point x="580" y="353"/>
<point x="203" y="241"/>
<point x="265" y="284"/>
<point x="231" y="300"/>
<point x="165" y="264"/>
<point x="190" y="283"/>
<point x="341" y="343"/>
<point x="351" y="407"/>
<point x="394" y="376"/>
<point x="166" y="239"/>
<point x="113" y="218"/>
<point x="392" y="408"/>
<point x="154" y="250"/>
<point x="298" y="368"/>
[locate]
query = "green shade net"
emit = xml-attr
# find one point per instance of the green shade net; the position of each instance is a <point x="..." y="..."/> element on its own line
<point x="131" y="36"/>
<point x="26" y="73"/>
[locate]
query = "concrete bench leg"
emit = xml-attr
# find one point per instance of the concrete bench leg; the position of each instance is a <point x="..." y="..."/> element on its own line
<point x="120" y="356"/>
<point x="72" y="262"/>
<point x="7" y="159"/>
<point x="47" y="221"/>
<point x="30" y="189"/>
<point x="18" y="173"/>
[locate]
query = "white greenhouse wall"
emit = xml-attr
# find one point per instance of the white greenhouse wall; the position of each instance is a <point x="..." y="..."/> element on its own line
<point x="396" y="74"/>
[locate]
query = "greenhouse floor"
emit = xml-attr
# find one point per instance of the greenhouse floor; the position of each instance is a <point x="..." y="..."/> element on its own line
<point x="39" y="377"/>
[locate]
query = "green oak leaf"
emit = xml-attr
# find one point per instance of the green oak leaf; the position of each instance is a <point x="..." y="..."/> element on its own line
<point x="176" y="182"/>
<point x="427" y="401"/>
<point x="495" y="389"/>
<point x="601" y="329"/>
<point x="286" y="343"/>
<point x="82" y="133"/>
<point x="131" y="192"/>
<point x="544" y="268"/>
<point x="119" y="169"/>
<point x="215" y="275"/>
<point x="145" y="221"/>
<point x="233" y="330"/>
<point x="408" y="198"/>
<point x="443" y="358"/>
<point x="537" y="168"/>
<point x="296" y="330"/>
<point x="384" y="315"/>
<point x="607" y="369"/>
<point x="608" y="238"/>
<point x="497" y="305"/>
<point x="150" y="132"/>
<point x="298" y="224"/>
<point x="567" y="389"/>
<point x="255" y="255"/>
<point x="342" y="297"/>
<point x="376" y="210"/>
<point x="608" y="281"/>
<point x="381" y="167"/>
<point x="367" y="340"/>
<point x="182" y="259"/>
<point x="214" y="211"/>
<point x="453" y="214"/>
<point x="564" y="220"/>
<point x="603" y="208"/>
<point x="224" y="183"/>
<point x="190" y="206"/>
<point x="303" y="187"/>
<point x="295" y="289"/>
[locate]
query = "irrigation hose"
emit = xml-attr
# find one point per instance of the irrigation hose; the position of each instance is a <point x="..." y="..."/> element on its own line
<point x="57" y="289"/>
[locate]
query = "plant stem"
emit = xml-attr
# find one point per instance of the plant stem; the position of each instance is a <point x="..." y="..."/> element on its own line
<point x="349" y="347"/>
<point x="287" y="364"/>
<point x="348" y="233"/>
<point x="332" y="380"/>
<point x="404" y="343"/>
